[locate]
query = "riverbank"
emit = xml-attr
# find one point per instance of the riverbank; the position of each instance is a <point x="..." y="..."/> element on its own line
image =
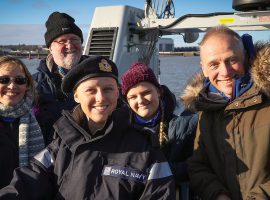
<point x="185" y="54"/>
<point x="174" y="70"/>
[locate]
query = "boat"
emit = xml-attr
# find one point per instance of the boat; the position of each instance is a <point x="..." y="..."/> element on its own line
<point x="127" y="34"/>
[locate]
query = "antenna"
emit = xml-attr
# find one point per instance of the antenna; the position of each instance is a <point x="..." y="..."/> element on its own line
<point x="153" y="11"/>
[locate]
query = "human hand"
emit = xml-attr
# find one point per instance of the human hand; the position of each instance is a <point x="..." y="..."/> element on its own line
<point x="223" y="197"/>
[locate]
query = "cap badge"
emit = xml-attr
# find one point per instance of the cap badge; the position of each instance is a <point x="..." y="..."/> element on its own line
<point x="105" y="66"/>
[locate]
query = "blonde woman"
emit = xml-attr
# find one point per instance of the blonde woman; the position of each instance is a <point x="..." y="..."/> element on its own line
<point x="20" y="135"/>
<point x="155" y="107"/>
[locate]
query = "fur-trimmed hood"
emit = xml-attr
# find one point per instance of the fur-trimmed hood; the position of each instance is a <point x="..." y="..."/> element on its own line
<point x="260" y="74"/>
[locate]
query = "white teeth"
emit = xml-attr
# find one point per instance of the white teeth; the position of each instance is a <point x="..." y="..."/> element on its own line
<point x="11" y="93"/>
<point x="100" y="107"/>
<point x="142" y="106"/>
<point x="226" y="81"/>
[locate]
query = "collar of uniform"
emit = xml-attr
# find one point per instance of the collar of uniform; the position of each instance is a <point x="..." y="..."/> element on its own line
<point x="70" y="129"/>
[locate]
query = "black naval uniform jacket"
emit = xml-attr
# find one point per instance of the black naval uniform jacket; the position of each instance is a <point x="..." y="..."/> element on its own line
<point x="117" y="162"/>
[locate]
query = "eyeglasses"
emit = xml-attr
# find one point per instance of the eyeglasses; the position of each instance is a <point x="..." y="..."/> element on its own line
<point x="19" y="80"/>
<point x="73" y="41"/>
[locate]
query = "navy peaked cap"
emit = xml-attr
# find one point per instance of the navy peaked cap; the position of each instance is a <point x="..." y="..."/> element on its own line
<point x="96" y="66"/>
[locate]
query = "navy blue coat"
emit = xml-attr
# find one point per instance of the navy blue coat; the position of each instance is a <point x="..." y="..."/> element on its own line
<point x="51" y="100"/>
<point x="181" y="132"/>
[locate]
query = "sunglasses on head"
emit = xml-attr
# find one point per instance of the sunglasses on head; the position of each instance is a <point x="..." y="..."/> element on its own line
<point x="19" y="80"/>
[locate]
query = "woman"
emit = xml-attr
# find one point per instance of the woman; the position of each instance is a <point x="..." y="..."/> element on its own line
<point x="20" y="135"/>
<point x="155" y="108"/>
<point x="96" y="154"/>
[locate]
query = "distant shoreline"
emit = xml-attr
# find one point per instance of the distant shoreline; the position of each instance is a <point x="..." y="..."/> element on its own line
<point x="187" y="53"/>
<point x="43" y="55"/>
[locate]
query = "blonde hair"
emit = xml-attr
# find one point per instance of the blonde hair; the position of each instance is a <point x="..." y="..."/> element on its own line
<point x="162" y="127"/>
<point x="10" y="61"/>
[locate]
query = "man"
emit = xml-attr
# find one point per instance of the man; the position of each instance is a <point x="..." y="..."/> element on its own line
<point x="64" y="40"/>
<point x="231" y="159"/>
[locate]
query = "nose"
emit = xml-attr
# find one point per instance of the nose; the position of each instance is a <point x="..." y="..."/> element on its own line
<point x="69" y="44"/>
<point x="11" y="84"/>
<point x="140" y="99"/>
<point x="226" y="69"/>
<point x="100" y="96"/>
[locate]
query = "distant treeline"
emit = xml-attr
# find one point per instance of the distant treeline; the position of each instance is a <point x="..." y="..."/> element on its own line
<point x="23" y="47"/>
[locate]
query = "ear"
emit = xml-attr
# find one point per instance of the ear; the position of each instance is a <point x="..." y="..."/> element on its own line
<point x="76" y="97"/>
<point x="50" y="48"/>
<point x="205" y="73"/>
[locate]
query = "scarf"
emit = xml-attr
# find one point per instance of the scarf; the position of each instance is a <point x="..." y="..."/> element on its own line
<point x="151" y="122"/>
<point x="30" y="137"/>
<point x="148" y="123"/>
<point x="62" y="71"/>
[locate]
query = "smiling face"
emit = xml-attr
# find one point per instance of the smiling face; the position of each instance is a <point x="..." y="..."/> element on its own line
<point x="143" y="99"/>
<point x="98" y="98"/>
<point x="66" y="50"/>
<point x="12" y="93"/>
<point x="222" y="60"/>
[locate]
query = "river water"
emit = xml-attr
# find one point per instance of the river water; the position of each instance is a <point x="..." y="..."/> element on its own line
<point x="175" y="71"/>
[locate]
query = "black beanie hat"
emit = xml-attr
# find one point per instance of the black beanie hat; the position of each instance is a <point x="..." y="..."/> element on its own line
<point x="59" y="24"/>
<point x="97" y="66"/>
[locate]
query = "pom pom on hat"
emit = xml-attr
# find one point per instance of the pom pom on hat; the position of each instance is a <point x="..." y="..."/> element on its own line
<point x="59" y="24"/>
<point x="138" y="72"/>
<point x="96" y="66"/>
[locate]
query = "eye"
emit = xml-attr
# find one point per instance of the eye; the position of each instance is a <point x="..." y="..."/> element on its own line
<point x="90" y="91"/>
<point x="233" y="61"/>
<point x="75" y="40"/>
<point x="20" y="80"/>
<point x="108" y="89"/>
<point x="61" y="42"/>
<point x="148" y="92"/>
<point x="213" y="66"/>
<point x="4" y="79"/>
<point x="131" y="97"/>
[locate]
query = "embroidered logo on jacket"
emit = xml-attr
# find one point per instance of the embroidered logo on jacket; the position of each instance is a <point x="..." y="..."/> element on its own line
<point x="125" y="172"/>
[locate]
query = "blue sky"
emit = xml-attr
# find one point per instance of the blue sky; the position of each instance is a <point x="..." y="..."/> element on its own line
<point x="22" y="21"/>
